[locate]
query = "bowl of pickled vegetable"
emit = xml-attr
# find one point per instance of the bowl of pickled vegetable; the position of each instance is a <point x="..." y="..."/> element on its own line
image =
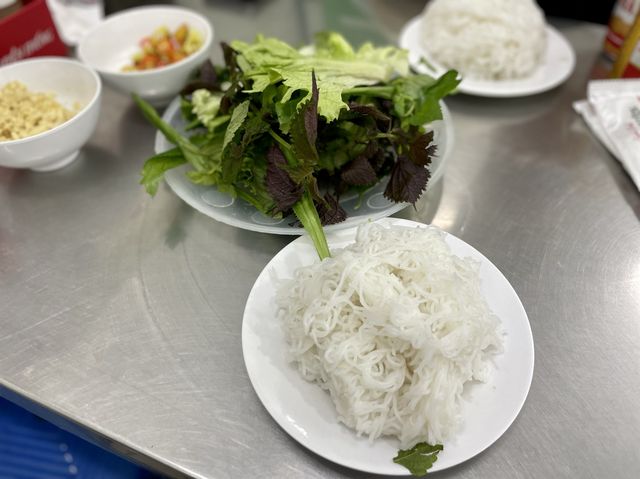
<point x="151" y="51"/>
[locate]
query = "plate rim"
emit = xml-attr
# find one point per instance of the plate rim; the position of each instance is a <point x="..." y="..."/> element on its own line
<point x="410" y="27"/>
<point x="174" y="181"/>
<point x="290" y="430"/>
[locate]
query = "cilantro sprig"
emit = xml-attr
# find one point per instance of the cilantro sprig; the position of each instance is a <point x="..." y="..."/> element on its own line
<point x="290" y="130"/>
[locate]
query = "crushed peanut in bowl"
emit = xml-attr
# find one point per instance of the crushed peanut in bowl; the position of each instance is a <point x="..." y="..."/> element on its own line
<point x="25" y="113"/>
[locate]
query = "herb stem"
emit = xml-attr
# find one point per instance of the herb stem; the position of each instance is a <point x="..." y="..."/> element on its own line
<point x="249" y="199"/>
<point x="306" y="212"/>
<point x="281" y="141"/>
<point x="390" y="136"/>
<point x="190" y="151"/>
<point x="385" y="92"/>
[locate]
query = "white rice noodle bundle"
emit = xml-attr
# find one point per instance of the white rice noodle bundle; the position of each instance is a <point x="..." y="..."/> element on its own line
<point x="392" y="326"/>
<point x="485" y="39"/>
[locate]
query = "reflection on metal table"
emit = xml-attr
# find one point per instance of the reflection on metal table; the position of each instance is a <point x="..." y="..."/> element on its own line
<point x="120" y="316"/>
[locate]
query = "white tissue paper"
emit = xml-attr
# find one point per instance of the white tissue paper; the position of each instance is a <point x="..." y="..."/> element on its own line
<point x="74" y="18"/>
<point x="612" y="111"/>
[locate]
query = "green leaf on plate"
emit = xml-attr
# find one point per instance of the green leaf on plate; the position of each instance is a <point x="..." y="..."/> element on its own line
<point x="155" y="167"/>
<point x="238" y="117"/>
<point x="419" y="459"/>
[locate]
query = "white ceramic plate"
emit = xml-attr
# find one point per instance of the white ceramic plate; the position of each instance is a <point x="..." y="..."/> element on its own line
<point x="557" y="65"/>
<point x="235" y="212"/>
<point x="306" y="412"/>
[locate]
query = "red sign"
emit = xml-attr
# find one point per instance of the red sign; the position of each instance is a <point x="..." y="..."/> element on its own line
<point x="29" y="32"/>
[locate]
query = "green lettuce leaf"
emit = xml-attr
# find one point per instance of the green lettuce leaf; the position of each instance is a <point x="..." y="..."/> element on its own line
<point x="337" y="66"/>
<point x="205" y="105"/>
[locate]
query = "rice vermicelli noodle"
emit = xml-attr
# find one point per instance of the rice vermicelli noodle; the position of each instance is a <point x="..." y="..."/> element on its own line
<point x="485" y="39"/>
<point x="392" y="326"/>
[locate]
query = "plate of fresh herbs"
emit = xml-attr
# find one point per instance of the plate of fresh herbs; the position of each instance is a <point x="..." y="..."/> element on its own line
<point x="286" y="140"/>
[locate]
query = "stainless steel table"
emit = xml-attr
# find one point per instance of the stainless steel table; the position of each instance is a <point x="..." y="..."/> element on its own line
<point x="120" y="315"/>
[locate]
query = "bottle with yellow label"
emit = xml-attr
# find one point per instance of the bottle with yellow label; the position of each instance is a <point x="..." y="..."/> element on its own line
<point x="621" y="20"/>
<point x="627" y="64"/>
<point x="622" y="17"/>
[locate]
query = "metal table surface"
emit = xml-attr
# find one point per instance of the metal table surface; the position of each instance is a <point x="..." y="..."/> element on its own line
<point x="120" y="315"/>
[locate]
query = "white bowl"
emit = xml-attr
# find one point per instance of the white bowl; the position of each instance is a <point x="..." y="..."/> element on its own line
<point x="111" y="44"/>
<point x="71" y="82"/>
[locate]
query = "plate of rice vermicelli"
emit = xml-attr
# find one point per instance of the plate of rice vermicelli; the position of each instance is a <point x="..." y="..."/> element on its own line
<point x="406" y="350"/>
<point x="501" y="48"/>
